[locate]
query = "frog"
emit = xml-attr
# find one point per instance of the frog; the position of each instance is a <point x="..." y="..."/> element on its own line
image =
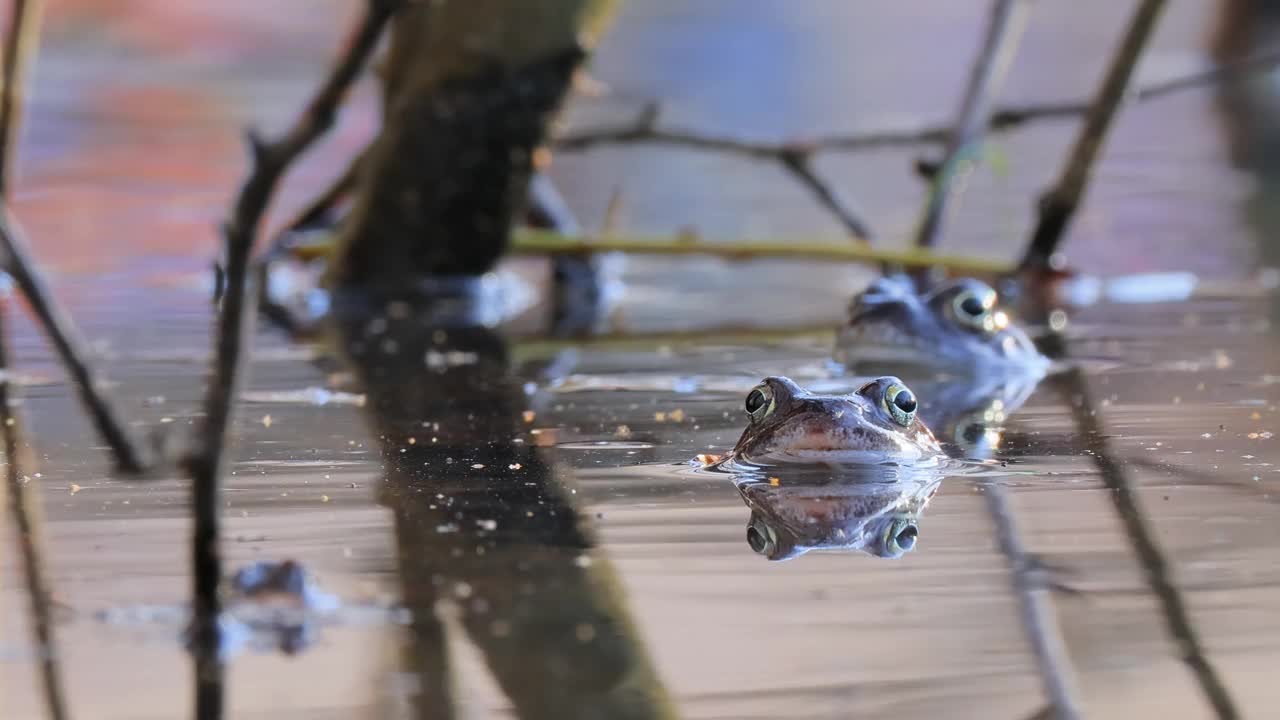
<point x="874" y="424"/>
<point x="957" y="326"/>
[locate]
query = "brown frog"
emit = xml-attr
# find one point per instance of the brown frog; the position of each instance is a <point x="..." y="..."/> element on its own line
<point x="875" y="424"/>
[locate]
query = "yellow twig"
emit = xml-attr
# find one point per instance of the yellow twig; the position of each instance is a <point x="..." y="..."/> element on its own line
<point x="544" y="242"/>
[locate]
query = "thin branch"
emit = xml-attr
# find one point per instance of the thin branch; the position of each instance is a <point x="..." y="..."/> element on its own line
<point x="69" y="343"/>
<point x="1004" y="31"/>
<point x="316" y="210"/>
<point x="1058" y="206"/>
<point x="20" y="46"/>
<point x="22" y="506"/>
<point x="800" y="164"/>
<point x="269" y="162"/>
<point x="1038" y="619"/>
<point x="796" y="157"/>
<point x="644" y="130"/>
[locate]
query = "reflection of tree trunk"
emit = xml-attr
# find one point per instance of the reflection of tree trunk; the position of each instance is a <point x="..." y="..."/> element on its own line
<point x="484" y="521"/>
<point x="470" y="88"/>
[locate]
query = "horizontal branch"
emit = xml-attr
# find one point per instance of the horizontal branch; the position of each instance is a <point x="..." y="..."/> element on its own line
<point x="644" y="129"/>
<point x="529" y="241"/>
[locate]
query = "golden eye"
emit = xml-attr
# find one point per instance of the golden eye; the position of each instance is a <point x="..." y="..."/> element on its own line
<point x="900" y="402"/>
<point x="973" y="309"/>
<point x="760" y="402"/>
<point x="900" y="536"/>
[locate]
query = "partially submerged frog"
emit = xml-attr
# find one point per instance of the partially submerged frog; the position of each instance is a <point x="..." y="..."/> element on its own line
<point x="957" y="325"/>
<point x="875" y="511"/>
<point x="877" y="423"/>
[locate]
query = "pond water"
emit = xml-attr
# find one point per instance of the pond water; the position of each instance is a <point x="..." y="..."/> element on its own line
<point x="591" y="549"/>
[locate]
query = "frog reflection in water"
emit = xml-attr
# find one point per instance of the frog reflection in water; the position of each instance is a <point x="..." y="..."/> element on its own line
<point x="957" y="326"/>
<point x="848" y="472"/>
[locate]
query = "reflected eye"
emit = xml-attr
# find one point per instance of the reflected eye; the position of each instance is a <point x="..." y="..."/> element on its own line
<point x="760" y="402"/>
<point x="900" y="537"/>
<point x="973" y="309"/>
<point x="901" y="404"/>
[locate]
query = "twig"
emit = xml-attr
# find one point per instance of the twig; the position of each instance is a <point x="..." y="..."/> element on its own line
<point x="69" y="343"/>
<point x="1058" y="206"/>
<point x="1009" y="117"/>
<point x="1038" y="620"/>
<point x="535" y="242"/>
<point x="269" y="162"/>
<point x="799" y="162"/>
<point x="1075" y="392"/>
<point x="19" y="48"/>
<point x="22" y="507"/>
<point x="796" y="157"/>
<point x="315" y="211"/>
<point x="544" y="242"/>
<point x="1004" y="31"/>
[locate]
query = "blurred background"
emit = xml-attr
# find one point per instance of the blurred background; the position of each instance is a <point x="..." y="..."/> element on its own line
<point x="131" y="151"/>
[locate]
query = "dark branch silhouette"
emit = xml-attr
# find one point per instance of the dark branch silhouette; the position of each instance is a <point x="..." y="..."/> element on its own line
<point x="269" y="160"/>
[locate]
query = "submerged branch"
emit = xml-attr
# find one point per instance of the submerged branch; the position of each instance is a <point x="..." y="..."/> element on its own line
<point x="1038" y="620"/>
<point x="1058" y="206"/>
<point x="1004" y="31"/>
<point x="269" y="162"/>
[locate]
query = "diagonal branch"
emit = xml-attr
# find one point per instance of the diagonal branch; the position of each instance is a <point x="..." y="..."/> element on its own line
<point x="1004" y="31"/>
<point x="269" y="162"/>
<point x="795" y="157"/>
<point x="1058" y="205"/>
<point x="70" y="345"/>
<point x="20" y="46"/>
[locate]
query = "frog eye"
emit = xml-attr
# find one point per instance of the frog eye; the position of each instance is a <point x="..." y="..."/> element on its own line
<point x="901" y="404"/>
<point x="973" y="309"/>
<point x="760" y="537"/>
<point x="760" y="402"/>
<point x="900" y="537"/>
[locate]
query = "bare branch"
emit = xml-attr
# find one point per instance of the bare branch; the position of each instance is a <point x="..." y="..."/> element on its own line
<point x="19" y="48"/>
<point x="1058" y="206"/>
<point x="269" y="162"/>
<point x="1004" y="31"/>
<point x="644" y="128"/>
<point x="70" y="345"/>
<point x="800" y="164"/>
<point x="796" y="158"/>
<point x="315" y="211"/>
